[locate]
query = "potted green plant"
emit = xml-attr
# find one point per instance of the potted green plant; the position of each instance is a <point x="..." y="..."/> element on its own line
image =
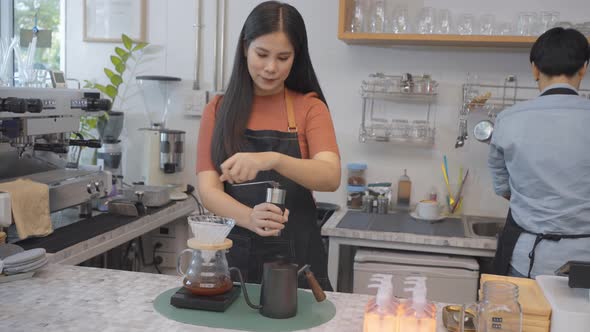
<point x="125" y="61"/>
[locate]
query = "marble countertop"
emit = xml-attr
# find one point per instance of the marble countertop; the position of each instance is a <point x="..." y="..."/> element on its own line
<point x="72" y="298"/>
<point x="480" y="243"/>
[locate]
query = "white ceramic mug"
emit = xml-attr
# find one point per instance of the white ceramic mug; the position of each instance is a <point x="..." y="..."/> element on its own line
<point x="428" y="209"/>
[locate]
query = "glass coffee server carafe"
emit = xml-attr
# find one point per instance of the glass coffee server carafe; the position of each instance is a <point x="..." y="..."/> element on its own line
<point x="207" y="272"/>
<point x="498" y="309"/>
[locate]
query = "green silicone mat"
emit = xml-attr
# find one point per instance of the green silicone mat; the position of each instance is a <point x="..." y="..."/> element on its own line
<point x="239" y="316"/>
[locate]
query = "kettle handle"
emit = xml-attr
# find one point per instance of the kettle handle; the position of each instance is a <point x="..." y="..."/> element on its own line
<point x="250" y="304"/>
<point x="316" y="289"/>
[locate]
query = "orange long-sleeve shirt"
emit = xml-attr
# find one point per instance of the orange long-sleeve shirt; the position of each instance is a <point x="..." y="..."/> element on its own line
<point x="314" y="124"/>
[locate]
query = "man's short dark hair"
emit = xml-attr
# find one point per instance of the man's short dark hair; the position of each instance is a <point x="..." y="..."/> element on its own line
<point x="560" y="51"/>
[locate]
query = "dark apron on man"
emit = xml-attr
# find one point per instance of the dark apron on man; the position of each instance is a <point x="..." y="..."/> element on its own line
<point x="300" y="241"/>
<point x="512" y="231"/>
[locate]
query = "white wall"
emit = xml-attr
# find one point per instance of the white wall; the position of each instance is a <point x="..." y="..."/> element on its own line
<point x="340" y="68"/>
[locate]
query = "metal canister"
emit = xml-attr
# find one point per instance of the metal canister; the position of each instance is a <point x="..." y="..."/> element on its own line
<point x="368" y="203"/>
<point x="382" y="205"/>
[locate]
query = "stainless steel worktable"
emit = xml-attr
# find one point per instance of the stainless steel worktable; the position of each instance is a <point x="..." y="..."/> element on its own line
<point x="97" y="245"/>
<point x="400" y="240"/>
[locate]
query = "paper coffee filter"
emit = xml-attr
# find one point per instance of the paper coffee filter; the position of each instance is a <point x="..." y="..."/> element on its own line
<point x="210" y="229"/>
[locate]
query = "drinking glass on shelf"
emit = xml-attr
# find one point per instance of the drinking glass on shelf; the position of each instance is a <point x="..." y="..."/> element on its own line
<point x="425" y="23"/>
<point x="419" y="129"/>
<point x="424" y="85"/>
<point x="548" y="20"/>
<point x="378" y="17"/>
<point x="357" y="19"/>
<point x="381" y="131"/>
<point x="564" y="24"/>
<point x="392" y="85"/>
<point x="486" y="24"/>
<point x="400" y="128"/>
<point x="465" y="24"/>
<point x="443" y="21"/>
<point x="526" y="24"/>
<point x="399" y="22"/>
<point x="503" y="29"/>
<point x="584" y="28"/>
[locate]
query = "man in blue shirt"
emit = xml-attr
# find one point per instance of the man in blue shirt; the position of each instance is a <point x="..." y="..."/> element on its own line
<point x="540" y="160"/>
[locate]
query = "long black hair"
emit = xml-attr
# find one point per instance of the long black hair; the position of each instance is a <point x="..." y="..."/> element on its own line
<point x="236" y="104"/>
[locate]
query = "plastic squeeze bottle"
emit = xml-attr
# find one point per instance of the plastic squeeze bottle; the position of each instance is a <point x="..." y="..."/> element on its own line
<point x="418" y="314"/>
<point x="381" y="313"/>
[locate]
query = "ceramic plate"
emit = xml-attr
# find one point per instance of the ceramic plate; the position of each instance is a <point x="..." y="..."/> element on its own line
<point x="414" y="215"/>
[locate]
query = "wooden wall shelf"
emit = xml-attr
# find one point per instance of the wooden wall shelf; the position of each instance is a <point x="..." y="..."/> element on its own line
<point x="390" y="39"/>
<point x="385" y="39"/>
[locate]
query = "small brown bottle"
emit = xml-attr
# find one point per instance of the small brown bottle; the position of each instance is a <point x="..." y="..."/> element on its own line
<point x="404" y="189"/>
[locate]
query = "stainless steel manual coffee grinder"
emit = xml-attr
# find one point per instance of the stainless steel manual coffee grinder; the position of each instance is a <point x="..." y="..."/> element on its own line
<point x="274" y="194"/>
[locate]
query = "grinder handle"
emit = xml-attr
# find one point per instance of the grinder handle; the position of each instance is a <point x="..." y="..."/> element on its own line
<point x="316" y="289"/>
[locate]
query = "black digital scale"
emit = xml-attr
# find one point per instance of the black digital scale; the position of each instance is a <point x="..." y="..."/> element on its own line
<point x="183" y="298"/>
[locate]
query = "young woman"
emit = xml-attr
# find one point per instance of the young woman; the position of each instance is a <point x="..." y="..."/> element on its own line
<point x="272" y="124"/>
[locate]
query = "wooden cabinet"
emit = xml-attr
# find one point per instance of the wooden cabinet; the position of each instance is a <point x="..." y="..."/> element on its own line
<point x="387" y="39"/>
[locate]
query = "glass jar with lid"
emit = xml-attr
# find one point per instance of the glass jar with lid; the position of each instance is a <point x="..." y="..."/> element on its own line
<point x="356" y="174"/>
<point x="355" y="196"/>
<point x="498" y="309"/>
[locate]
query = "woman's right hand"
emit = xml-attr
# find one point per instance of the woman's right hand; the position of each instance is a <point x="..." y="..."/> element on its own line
<point x="267" y="219"/>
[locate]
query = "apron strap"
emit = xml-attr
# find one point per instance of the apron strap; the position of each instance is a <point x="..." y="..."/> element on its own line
<point x="549" y="237"/>
<point x="290" y="113"/>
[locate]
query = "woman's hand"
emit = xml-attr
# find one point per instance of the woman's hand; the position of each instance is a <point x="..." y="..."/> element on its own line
<point x="244" y="166"/>
<point x="267" y="219"/>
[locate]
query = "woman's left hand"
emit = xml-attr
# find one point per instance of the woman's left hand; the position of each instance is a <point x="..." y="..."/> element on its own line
<point x="244" y="166"/>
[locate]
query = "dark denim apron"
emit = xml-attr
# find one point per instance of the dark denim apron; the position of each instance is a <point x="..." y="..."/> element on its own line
<point x="512" y="231"/>
<point x="300" y="241"/>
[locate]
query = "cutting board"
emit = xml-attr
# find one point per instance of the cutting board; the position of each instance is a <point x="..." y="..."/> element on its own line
<point x="530" y="296"/>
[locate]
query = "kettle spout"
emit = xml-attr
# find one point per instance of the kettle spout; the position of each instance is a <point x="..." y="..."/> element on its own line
<point x="246" y="297"/>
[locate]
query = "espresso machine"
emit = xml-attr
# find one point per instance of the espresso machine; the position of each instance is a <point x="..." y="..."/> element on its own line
<point x="36" y="125"/>
<point x="164" y="147"/>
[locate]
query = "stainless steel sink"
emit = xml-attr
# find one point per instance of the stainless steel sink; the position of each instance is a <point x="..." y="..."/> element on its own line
<point x="485" y="227"/>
